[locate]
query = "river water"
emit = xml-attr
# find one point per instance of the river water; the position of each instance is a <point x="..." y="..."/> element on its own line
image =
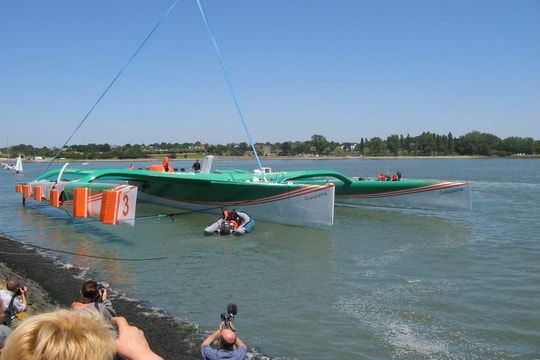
<point x="378" y="284"/>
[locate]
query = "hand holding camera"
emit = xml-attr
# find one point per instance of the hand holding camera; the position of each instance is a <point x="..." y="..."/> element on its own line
<point x="102" y="290"/>
<point x="228" y="317"/>
<point x="22" y="290"/>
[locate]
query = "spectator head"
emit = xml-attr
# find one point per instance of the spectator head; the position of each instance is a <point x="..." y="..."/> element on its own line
<point x="90" y="291"/>
<point x="61" y="335"/>
<point x="13" y="284"/>
<point x="227" y="339"/>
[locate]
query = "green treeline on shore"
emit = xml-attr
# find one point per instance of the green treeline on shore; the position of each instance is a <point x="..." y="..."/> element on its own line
<point x="426" y="144"/>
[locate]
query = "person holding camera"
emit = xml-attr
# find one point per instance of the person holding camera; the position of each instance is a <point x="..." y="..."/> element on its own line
<point x="14" y="300"/>
<point x="94" y="298"/>
<point x="230" y="345"/>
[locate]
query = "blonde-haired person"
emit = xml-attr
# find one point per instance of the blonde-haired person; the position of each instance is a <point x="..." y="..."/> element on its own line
<point x="68" y="335"/>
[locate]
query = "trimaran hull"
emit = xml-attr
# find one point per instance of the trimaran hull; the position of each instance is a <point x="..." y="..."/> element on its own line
<point x="292" y="204"/>
<point x="439" y="195"/>
<point x="414" y="194"/>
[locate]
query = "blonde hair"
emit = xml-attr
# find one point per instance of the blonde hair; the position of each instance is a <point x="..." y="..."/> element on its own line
<point x="61" y="335"/>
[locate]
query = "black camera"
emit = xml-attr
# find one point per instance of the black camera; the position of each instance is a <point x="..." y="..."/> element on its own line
<point x="228" y="316"/>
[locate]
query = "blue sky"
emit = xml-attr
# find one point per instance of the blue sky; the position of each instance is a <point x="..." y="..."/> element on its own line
<point x="342" y="69"/>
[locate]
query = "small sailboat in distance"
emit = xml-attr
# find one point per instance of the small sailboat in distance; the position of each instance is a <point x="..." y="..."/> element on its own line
<point x="18" y="165"/>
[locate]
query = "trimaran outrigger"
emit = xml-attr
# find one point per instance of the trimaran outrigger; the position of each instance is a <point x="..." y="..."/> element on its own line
<point x="297" y="197"/>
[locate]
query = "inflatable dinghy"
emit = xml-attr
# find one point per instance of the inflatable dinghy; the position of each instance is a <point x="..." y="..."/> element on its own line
<point x="223" y="227"/>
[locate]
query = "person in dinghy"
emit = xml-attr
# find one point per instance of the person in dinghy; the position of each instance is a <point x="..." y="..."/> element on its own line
<point x="231" y="222"/>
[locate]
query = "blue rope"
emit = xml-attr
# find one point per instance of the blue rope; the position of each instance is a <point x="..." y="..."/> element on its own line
<point x="112" y="82"/>
<point x="229" y="83"/>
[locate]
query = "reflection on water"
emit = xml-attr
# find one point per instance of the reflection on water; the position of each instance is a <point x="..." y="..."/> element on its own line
<point x="380" y="283"/>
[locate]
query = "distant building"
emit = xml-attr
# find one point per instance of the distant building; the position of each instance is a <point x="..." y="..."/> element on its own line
<point x="349" y="147"/>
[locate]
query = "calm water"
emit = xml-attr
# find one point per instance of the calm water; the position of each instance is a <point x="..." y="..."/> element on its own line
<point x="379" y="284"/>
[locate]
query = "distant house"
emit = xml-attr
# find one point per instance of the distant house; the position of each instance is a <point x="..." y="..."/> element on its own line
<point x="38" y="158"/>
<point x="349" y="147"/>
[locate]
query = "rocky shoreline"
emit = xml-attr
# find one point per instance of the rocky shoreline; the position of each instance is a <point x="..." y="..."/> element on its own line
<point x="53" y="286"/>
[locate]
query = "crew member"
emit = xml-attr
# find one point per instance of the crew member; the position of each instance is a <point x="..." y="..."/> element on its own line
<point x="165" y="163"/>
<point x="225" y="214"/>
<point x="381" y="177"/>
<point x="131" y="167"/>
<point x="196" y="166"/>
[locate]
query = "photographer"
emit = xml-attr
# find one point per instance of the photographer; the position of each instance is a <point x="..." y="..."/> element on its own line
<point x="14" y="301"/>
<point x="94" y="298"/>
<point x="230" y="345"/>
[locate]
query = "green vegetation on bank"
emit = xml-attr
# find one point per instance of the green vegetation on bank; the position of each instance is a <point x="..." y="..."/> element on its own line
<point x="426" y="144"/>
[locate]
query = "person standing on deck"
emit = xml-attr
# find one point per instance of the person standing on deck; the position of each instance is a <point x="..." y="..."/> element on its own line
<point x="196" y="166"/>
<point x="165" y="163"/>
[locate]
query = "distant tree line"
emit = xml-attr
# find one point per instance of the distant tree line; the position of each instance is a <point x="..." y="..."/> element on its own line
<point x="426" y="144"/>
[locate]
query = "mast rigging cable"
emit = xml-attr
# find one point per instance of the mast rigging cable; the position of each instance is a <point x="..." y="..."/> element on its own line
<point x="112" y="82"/>
<point x="229" y="83"/>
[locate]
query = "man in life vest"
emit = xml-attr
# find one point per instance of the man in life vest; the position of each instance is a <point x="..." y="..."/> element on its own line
<point x="394" y="177"/>
<point x="165" y="163"/>
<point x="232" y="218"/>
<point x="381" y="177"/>
<point x="131" y="167"/>
<point x="235" y="220"/>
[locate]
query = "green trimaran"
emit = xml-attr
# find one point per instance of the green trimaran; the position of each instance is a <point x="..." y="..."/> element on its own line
<point x="292" y="197"/>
